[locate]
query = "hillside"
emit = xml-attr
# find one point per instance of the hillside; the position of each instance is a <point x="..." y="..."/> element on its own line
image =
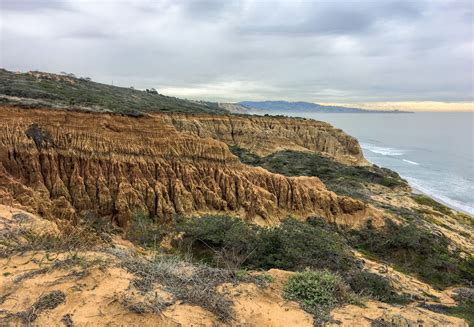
<point x="196" y="218"/>
<point x="182" y="219"/>
<point x="111" y="281"/>
<point x="158" y="164"/>
<point x="38" y="89"/>
<point x="308" y="107"/>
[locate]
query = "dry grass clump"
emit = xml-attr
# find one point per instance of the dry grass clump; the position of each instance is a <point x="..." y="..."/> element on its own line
<point x="188" y="282"/>
<point x="67" y="320"/>
<point x="154" y="305"/>
<point x="47" y="301"/>
<point x="18" y="237"/>
<point x="72" y="260"/>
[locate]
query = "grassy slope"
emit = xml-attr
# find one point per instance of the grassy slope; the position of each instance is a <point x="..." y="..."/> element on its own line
<point x="342" y="179"/>
<point x="412" y="248"/>
<point x="79" y="93"/>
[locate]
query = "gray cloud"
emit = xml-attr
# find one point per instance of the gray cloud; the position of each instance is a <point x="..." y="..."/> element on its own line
<point x="233" y="50"/>
<point x="33" y="5"/>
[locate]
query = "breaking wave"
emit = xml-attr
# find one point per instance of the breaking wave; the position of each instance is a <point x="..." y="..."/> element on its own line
<point x="411" y="162"/>
<point x="382" y="150"/>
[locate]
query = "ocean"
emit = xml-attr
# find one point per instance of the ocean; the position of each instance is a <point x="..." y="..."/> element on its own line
<point x="434" y="152"/>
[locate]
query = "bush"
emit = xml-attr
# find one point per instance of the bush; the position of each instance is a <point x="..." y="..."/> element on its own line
<point x="144" y="231"/>
<point x="188" y="282"/>
<point x="374" y="286"/>
<point x="339" y="178"/>
<point x="318" y="292"/>
<point x="295" y="245"/>
<point x="223" y="240"/>
<point x="415" y="249"/>
<point x="217" y="232"/>
<point x="292" y="245"/>
<point x="465" y="307"/>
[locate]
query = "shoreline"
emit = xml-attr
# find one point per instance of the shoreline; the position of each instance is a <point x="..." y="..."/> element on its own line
<point x="417" y="191"/>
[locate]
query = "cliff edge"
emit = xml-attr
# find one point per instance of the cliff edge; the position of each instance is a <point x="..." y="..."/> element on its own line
<point x="61" y="163"/>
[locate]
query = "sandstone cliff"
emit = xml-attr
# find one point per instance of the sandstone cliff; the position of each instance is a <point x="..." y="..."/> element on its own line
<point x="59" y="163"/>
<point x="264" y="135"/>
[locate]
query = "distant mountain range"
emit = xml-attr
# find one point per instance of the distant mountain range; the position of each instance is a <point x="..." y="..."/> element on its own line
<point x="300" y="106"/>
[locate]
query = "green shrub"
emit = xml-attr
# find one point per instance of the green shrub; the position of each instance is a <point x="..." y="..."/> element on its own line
<point x="318" y="292"/>
<point x="144" y="231"/>
<point x="374" y="286"/>
<point x="391" y="182"/>
<point x="295" y="245"/>
<point x="217" y="232"/>
<point x="292" y="245"/>
<point x="417" y="250"/>
<point x="220" y="240"/>
<point x="465" y="307"/>
<point x="339" y="178"/>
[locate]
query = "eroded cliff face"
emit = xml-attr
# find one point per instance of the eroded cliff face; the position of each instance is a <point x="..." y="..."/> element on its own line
<point x="264" y="135"/>
<point x="60" y="163"/>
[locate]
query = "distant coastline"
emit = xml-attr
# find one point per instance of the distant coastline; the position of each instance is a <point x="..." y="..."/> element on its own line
<point x="281" y="107"/>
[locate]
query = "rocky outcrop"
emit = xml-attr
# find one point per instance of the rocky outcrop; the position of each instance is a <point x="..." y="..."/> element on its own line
<point x="264" y="135"/>
<point x="60" y="163"/>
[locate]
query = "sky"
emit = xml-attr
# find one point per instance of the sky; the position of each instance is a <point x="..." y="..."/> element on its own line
<point x="347" y="51"/>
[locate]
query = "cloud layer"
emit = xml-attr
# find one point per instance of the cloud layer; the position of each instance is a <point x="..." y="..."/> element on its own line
<point x="322" y="51"/>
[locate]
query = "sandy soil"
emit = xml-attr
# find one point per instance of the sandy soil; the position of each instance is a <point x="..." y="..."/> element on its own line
<point x="96" y="295"/>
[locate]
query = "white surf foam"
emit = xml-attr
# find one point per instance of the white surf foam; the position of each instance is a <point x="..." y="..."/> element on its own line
<point x="456" y="205"/>
<point x="382" y="150"/>
<point x="411" y="162"/>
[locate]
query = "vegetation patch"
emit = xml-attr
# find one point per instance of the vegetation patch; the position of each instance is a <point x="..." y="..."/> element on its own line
<point x="48" y="301"/>
<point x="188" y="282"/>
<point x="72" y="260"/>
<point x="144" y="231"/>
<point x="374" y="286"/>
<point x="465" y="307"/>
<point x="66" y="91"/>
<point x="18" y="239"/>
<point x="293" y="245"/>
<point x="414" y="249"/>
<point x="156" y="305"/>
<point x="339" y="178"/>
<point x="318" y="292"/>
<point x="427" y="201"/>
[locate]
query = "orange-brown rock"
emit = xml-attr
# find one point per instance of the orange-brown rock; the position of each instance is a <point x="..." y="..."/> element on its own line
<point x="264" y="135"/>
<point x="59" y="163"/>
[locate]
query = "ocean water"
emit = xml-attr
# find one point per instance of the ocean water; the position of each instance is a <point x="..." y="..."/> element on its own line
<point x="434" y="152"/>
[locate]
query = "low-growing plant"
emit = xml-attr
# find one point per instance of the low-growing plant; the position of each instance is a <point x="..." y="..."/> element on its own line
<point x="374" y="286"/>
<point x="342" y="179"/>
<point x="70" y="261"/>
<point x="318" y="292"/>
<point x="414" y="249"/>
<point x="144" y="231"/>
<point x="186" y="281"/>
<point x="427" y="201"/>
<point x="464" y="308"/>
<point x="292" y="245"/>
<point x="47" y="301"/>
<point x="70" y="238"/>
<point x="295" y="245"/>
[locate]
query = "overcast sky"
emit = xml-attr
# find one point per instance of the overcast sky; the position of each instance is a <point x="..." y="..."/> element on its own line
<point x="321" y="51"/>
